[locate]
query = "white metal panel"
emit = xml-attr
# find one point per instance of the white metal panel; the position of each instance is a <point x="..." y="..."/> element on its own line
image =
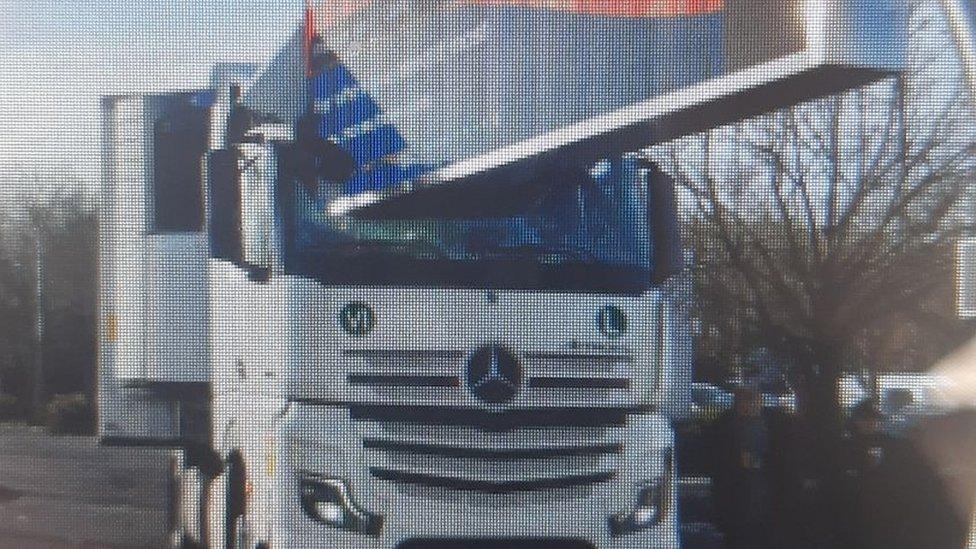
<point x="219" y="115"/>
<point x="152" y="289"/>
<point x="126" y="414"/>
<point x="129" y="415"/>
<point x="123" y="225"/>
<point x="176" y="312"/>
<point x="231" y="315"/>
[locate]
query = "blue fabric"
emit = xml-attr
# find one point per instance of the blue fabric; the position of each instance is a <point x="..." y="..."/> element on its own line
<point x="346" y="110"/>
<point x="348" y="114"/>
<point x="332" y="81"/>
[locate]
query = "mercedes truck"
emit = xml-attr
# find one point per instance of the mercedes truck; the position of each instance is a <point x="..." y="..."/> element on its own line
<point x="414" y="281"/>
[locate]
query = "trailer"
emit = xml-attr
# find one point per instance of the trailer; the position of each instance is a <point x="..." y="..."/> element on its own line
<point x="415" y="281"/>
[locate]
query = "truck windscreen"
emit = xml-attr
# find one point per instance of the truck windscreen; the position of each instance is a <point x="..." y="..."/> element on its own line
<point x="584" y="234"/>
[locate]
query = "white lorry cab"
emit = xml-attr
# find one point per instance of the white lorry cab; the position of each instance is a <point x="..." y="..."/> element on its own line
<point x="412" y="281"/>
<point x="495" y="375"/>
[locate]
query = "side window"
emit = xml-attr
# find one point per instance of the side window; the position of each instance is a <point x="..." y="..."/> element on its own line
<point x="179" y="144"/>
<point x="224" y="205"/>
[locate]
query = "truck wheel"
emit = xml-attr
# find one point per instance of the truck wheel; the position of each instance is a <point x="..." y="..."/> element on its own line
<point x="236" y="500"/>
<point x="186" y="542"/>
<point x="174" y="500"/>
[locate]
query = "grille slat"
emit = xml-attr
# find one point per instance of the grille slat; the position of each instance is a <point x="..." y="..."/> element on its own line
<point x="491" y="421"/>
<point x="396" y="380"/>
<point x="588" y="358"/>
<point x="472" y="437"/>
<point x="490" y="486"/>
<point x="494" y="454"/>
<point x="406" y="354"/>
<point x="493" y="469"/>
<point x="579" y="383"/>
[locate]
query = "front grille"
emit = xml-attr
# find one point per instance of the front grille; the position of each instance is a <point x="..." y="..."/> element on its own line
<point x="436" y="378"/>
<point x="422" y="430"/>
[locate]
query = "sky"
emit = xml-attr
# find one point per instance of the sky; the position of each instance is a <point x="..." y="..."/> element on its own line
<point x="57" y="57"/>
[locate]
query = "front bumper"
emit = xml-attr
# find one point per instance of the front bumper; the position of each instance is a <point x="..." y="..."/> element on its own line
<point x="423" y="520"/>
<point x="428" y="513"/>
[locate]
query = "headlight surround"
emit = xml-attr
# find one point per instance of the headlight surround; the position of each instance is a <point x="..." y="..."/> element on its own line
<point x="329" y="501"/>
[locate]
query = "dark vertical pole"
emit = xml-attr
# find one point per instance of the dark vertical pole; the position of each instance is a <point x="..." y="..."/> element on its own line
<point x="38" y="389"/>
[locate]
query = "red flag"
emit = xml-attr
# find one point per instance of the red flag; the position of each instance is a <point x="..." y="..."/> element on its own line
<point x="309" y="39"/>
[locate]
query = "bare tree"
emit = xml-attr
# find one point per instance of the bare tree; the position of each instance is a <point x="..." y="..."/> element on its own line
<point x="16" y="319"/>
<point x="63" y="231"/>
<point x="824" y="232"/>
<point x="48" y="255"/>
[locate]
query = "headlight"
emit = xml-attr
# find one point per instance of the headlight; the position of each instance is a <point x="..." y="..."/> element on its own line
<point x="647" y="511"/>
<point x="329" y="501"/>
<point x="649" y="506"/>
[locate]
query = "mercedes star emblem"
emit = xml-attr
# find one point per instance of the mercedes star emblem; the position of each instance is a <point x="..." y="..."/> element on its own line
<point x="494" y="374"/>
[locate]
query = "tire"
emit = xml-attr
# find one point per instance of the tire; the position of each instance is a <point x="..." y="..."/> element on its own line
<point x="235" y="508"/>
<point x="188" y="543"/>
<point x="213" y="514"/>
<point x="173" y="501"/>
